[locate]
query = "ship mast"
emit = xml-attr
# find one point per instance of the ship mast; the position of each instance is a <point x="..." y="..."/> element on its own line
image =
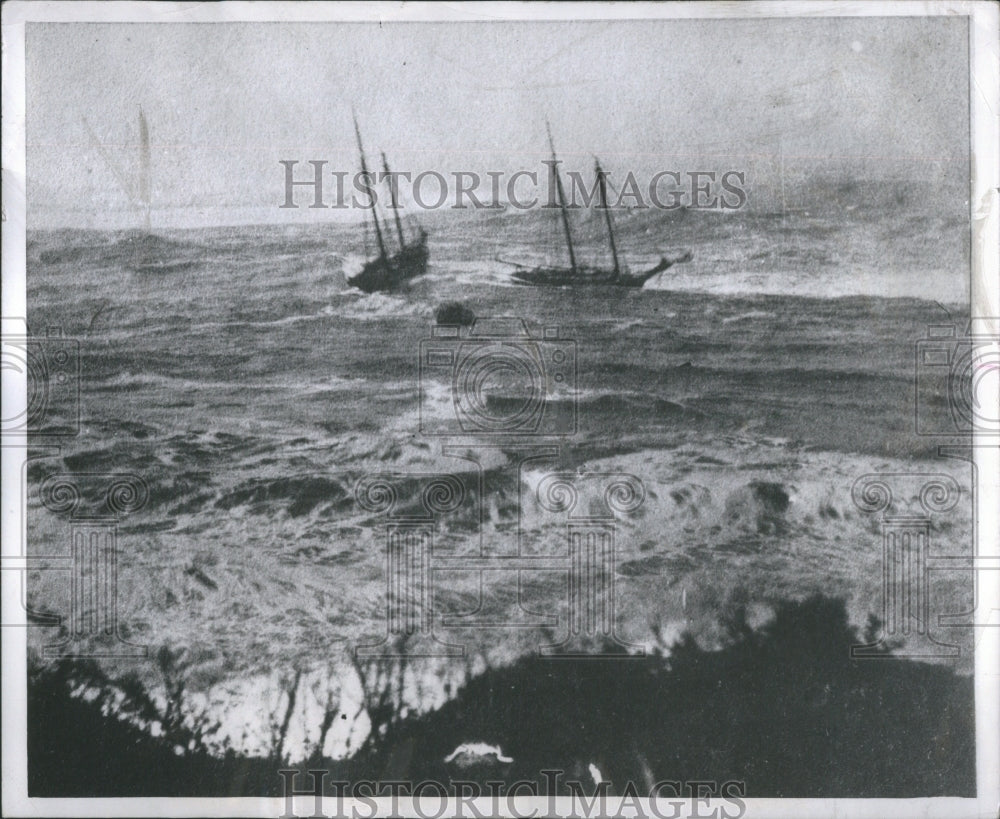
<point x="145" y="198"/>
<point x="602" y="187"/>
<point x="562" y="200"/>
<point x="365" y="174"/>
<point x="392" y="197"/>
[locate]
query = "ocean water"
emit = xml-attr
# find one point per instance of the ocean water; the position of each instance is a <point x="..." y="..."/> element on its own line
<point x="251" y="389"/>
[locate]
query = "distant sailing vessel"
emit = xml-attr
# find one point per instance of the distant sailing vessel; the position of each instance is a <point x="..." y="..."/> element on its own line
<point x="576" y="275"/>
<point x="144" y="197"/>
<point x="389" y="270"/>
<point x="141" y="250"/>
<point x="150" y="253"/>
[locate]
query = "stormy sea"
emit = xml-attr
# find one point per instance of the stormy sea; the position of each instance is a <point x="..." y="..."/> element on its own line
<point x="286" y="430"/>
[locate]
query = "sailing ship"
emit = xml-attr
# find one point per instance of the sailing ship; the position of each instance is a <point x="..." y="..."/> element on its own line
<point x="143" y="251"/>
<point x="389" y="269"/>
<point x="576" y="274"/>
<point x="145" y="200"/>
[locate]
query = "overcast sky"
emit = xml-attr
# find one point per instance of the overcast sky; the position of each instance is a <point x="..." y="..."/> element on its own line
<point x="856" y="97"/>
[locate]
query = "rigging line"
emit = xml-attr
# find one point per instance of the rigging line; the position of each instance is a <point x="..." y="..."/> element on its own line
<point x="392" y="201"/>
<point x="367" y="175"/>
<point x="115" y="169"/>
<point x="562" y="200"/>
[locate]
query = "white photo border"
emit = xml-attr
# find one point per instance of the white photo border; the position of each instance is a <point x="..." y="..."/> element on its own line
<point x="984" y="89"/>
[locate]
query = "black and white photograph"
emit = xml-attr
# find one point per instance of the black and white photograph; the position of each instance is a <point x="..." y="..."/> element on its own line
<point x="502" y="409"/>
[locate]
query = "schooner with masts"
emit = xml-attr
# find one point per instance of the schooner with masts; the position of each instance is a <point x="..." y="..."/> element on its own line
<point x="391" y="267"/>
<point x="576" y="274"/>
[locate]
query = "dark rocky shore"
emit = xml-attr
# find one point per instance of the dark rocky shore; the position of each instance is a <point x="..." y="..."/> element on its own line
<point x="782" y="708"/>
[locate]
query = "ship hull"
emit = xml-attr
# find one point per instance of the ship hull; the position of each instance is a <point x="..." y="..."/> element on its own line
<point x="586" y="277"/>
<point x="390" y="272"/>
